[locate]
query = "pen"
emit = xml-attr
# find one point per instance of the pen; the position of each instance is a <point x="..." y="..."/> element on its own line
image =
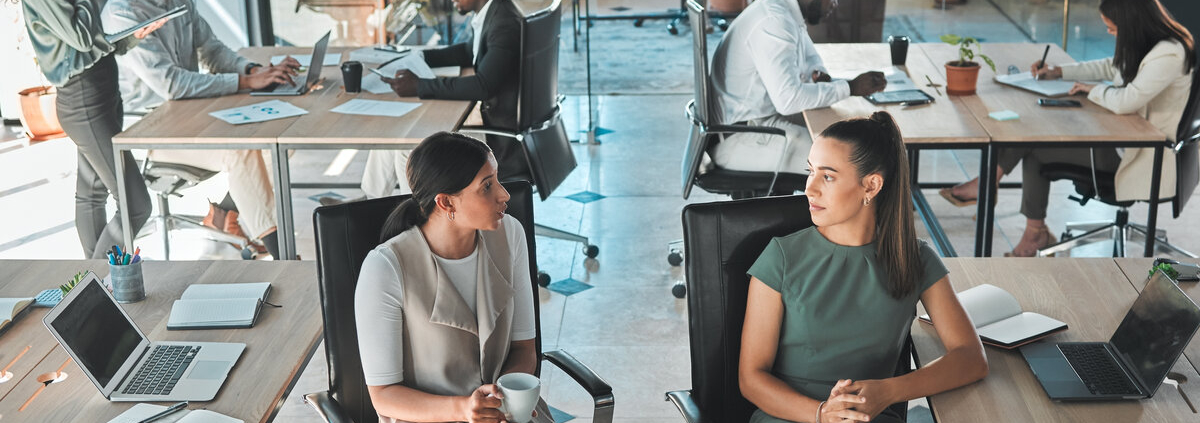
<point x="165" y="413"/>
<point x="1043" y="62"/>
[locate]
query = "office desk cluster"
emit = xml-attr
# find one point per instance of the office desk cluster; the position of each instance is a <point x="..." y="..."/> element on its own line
<point x="185" y="124"/>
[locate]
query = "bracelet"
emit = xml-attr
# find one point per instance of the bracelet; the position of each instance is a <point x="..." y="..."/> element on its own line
<point x="250" y="66"/>
<point x="817" y="419"/>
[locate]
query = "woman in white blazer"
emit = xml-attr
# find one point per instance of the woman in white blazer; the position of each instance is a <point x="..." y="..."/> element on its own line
<point x="1151" y="76"/>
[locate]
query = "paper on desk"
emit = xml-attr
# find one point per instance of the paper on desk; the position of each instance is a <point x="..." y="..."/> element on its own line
<point x="373" y="55"/>
<point x="414" y="62"/>
<point x="331" y="59"/>
<point x="260" y="112"/>
<point x="141" y="411"/>
<point x="897" y="80"/>
<point x="1046" y="87"/>
<point x="360" y="106"/>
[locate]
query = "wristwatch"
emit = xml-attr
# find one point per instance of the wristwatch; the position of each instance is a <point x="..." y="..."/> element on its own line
<point x="250" y="66"/>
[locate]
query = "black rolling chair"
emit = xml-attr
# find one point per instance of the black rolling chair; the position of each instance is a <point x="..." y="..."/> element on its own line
<point x="344" y="234"/>
<point x="1102" y="188"/>
<point x="541" y="132"/>
<point x="168" y="180"/>
<point x="706" y="133"/>
<point x="724" y="239"/>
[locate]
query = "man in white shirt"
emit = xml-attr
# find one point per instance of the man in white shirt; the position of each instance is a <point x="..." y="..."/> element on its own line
<point x="765" y="72"/>
<point x="167" y="66"/>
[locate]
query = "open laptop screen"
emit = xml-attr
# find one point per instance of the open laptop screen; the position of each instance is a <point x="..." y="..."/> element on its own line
<point x="93" y="327"/>
<point x="1156" y="329"/>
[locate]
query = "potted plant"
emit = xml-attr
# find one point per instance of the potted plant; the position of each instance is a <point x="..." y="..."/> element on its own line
<point x="38" y="111"/>
<point x="962" y="74"/>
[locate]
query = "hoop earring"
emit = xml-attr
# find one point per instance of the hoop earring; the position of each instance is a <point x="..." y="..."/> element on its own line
<point x="451" y="215"/>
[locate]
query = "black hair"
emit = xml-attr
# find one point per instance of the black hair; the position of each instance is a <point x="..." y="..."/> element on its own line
<point x="1141" y="24"/>
<point x="877" y="147"/>
<point x="443" y="163"/>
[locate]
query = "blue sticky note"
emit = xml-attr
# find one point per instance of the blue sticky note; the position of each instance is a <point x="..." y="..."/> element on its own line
<point x="1004" y="115"/>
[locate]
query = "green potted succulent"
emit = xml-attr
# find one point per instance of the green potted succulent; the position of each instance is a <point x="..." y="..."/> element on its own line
<point x="962" y="74"/>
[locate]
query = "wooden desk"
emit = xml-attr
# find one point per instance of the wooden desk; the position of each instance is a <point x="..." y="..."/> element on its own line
<point x="185" y="124"/>
<point x="944" y="124"/>
<point x="1136" y="270"/>
<point x="277" y="348"/>
<point x="1091" y="296"/>
<point x="1043" y="127"/>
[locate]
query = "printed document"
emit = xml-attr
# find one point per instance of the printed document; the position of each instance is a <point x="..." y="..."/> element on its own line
<point x="261" y="112"/>
<point x="360" y="106"/>
<point x="414" y="62"/>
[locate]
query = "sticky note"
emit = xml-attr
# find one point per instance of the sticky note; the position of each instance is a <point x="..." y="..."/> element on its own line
<point x="1004" y="115"/>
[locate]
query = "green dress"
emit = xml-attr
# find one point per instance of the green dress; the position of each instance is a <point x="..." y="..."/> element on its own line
<point x="839" y="322"/>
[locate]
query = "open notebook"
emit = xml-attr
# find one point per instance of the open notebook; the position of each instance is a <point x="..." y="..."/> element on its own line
<point x="141" y="411"/>
<point x="11" y="309"/>
<point x="218" y="306"/>
<point x="1046" y="87"/>
<point x="999" y="320"/>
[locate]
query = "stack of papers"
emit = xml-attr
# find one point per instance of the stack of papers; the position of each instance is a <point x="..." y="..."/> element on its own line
<point x="414" y="62"/>
<point x="260" y="112"/>
<point x="376" y="108"/>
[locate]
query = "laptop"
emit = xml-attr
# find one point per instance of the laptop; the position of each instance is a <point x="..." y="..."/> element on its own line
<point x="126" y="366"/>
<point x="1134" y="362"/>
<point x="304" y="82"/>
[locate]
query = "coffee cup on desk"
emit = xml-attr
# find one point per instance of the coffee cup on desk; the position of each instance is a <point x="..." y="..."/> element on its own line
<point x="899" y="45"/>
<point x="352" y="76"/>
<point x="521" y="391"/>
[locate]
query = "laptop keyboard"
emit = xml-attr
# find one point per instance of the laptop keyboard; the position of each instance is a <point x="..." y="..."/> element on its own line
<point x="1098" y="370"/>
<point x="277" y="87"/>
<point x="159" y="373"/>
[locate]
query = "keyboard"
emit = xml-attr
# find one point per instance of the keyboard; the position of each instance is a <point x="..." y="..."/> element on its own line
<point x="159" y="373"/>
<point x="276" y="87"/>
<point x="1098" y="369"/>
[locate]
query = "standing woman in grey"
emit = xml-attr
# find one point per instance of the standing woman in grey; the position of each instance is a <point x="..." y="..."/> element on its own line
<point x="73" y="54"/>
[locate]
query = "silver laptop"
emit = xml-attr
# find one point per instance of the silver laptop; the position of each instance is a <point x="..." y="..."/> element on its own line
<point x="306" y="81"/>
<point x="126" y="366"/>
<point x="1134" y="362"/>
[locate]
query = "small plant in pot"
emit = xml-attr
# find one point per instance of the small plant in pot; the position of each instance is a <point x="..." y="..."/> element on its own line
<point x="962" y="74"/>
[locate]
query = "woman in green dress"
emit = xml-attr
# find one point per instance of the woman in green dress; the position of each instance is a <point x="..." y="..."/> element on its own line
<point x="830" y="306"/>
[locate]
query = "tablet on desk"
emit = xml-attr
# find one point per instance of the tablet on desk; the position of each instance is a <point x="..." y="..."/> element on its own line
<point x="170" y="14"/>
<point x="902" y="96"/>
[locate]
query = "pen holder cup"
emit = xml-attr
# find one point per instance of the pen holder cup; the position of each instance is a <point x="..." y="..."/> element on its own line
<point x="127" y="283"/>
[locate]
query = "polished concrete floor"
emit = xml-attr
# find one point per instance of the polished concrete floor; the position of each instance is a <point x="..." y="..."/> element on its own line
<point x="627" y="326"/>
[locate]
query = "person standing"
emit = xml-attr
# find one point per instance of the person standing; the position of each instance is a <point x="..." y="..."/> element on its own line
<point x="68" y="41"/>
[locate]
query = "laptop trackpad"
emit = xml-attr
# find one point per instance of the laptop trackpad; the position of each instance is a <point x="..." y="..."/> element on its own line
<point x="209" y="370"/>
<point x="1053" y="369"/>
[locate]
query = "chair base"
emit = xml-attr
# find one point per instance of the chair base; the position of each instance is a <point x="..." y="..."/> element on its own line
<point x="1117" y="231"/>
<point x="589" y="250"/>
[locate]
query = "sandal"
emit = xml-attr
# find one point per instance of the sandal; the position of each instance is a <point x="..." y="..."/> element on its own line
<point x="1050" y="240"/>
<point x="948" y="194"/>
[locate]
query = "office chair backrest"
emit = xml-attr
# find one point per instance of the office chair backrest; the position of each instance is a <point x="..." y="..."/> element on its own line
<point x="1187" y="157"/>
<point x="722" y="240"/>
<point x="698" y="19"/>
<point x="345" y="233"/>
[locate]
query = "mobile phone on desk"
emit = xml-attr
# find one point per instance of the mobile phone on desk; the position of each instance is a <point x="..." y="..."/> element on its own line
<point x="1054" y="102"/>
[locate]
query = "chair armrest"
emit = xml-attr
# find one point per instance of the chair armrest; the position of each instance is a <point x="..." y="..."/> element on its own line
<point x="600" y="391"/>
<point x="326" y="407"/>
<point x="730" y="129"/>
<point x="686" y="405"/>
<point x="491" y="131"/>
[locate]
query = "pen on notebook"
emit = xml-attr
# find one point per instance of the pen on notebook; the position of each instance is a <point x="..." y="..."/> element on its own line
<point x="165" y="413"/>
<point x="1042" y="63"/>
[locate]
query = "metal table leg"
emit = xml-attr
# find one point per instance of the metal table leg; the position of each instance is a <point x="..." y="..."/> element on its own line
<point x="986" y="206"/>
<point x="283" y="203"/>
<point x="1152" y="219"/>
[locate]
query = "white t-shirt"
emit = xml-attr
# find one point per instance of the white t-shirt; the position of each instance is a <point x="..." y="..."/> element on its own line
<point x="379" y="300"/>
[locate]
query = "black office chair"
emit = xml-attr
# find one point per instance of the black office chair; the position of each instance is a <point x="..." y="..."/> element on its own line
<point x="541" y="131"/>
<point x="1187" y="175"/>
<point x="170" y="179"/>
<point x="705" y="133"/>
<point x="724" y="239"/>
<point x="344" y="234"/>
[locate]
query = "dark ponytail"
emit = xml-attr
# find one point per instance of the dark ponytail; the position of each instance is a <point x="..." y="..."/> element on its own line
<point x="877" y="147"/>
<point x="444" y="163"/>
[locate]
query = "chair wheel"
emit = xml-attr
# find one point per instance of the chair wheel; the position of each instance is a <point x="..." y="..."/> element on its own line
<point x="543" y="279"/>
<point x="248" y="252"/>
<point x="591" y="251"/>
<point x="723" y="24"/>
<point x="679" y="290"/>
<point x="674" y="30"/>
<point x="638" y="22"/>
<point x="675" y="258"/>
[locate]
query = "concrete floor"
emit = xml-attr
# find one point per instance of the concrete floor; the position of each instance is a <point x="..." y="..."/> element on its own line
<point x="628" y="327"/>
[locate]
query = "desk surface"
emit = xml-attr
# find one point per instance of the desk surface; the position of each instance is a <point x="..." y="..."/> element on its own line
<point x="1091" y="296"/>
<point x="277" y="348"/>
<point x="186" y="122"/>
<point x="1036" y="123"/>
<point x="944" y="121"/>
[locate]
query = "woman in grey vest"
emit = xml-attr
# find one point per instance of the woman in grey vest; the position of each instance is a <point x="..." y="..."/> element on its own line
<point x="445" y="306"/>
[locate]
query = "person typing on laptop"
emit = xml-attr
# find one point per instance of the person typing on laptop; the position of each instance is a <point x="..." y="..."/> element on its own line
<point x="167" y="66"/>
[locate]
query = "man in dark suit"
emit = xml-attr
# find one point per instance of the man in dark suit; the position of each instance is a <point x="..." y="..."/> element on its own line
<point x="494" y="51"/>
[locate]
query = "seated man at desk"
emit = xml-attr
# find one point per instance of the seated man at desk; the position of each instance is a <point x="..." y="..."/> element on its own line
<point x="166" y="66"/>
<point x="765" y="72"/>
<point x="494" y="51"/>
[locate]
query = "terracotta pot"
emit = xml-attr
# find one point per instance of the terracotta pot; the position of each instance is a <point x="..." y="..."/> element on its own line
<point x="39" y="115"/>
<point x="960" y="80"/>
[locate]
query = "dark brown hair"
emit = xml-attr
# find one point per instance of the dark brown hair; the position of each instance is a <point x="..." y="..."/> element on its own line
<point x="876" y="147"/>
<point x="444" y="163"/>
<point x="1141" y="24"/>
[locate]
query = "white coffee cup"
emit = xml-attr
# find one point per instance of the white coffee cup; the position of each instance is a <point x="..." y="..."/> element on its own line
<point x="521" y="392"/>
